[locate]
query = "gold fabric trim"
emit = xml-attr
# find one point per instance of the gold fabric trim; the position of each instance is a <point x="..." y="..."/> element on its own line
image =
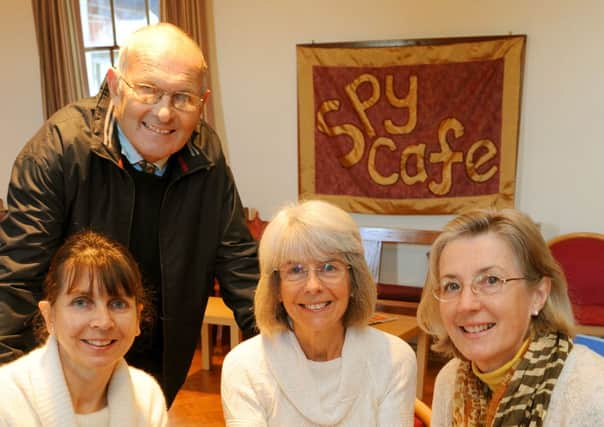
<point x="510" y="48"/>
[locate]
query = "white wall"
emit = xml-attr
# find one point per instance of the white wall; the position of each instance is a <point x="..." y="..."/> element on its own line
<point x="560" y="153"/>
<point x="21" y="106"/>
<point x="560" y="172"/>
<point x="561" y="149"/>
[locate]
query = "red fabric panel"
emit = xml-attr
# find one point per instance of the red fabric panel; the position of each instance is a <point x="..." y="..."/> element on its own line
<point x="582" y="260"/>
<point x="447" y="90"/>
<point x="417" y="422"/>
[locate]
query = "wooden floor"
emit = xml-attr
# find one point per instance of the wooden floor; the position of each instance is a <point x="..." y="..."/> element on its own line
<point x="198" y="401"/>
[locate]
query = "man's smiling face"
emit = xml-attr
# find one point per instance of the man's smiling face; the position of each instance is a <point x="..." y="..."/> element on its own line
<point x="157" y="130"/>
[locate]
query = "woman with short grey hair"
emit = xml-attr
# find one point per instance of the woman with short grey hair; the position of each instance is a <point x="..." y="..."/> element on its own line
<point x="316" y="360"/>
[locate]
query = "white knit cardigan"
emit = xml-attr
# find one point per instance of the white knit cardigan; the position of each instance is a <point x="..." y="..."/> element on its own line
<point x="33" y="392"/>
<point x="577" y="399"/>
<point x="269" y="382"/>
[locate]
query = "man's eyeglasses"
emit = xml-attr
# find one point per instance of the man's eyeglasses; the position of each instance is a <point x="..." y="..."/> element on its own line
<point x="450" y="289"/>
<point x="327" y="272"/>
<point x="149" y="94"/>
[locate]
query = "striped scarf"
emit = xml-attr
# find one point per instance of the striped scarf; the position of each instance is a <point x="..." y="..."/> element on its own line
<point x="523" y="398"/>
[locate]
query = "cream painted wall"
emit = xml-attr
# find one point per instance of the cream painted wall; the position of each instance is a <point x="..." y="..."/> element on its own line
<point x="560" y="154"/>
<point x="21" y="106"/>
<point x="560" y="173"/>
<point x="560" y="176"/>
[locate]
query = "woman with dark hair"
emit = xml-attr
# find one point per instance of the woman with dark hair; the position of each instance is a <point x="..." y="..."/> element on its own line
<point x="93" y="299"/>
<point x="316" y="360"/>
<point x="497" y="301"/>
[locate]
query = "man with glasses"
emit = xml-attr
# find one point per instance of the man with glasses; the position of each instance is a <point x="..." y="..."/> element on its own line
<point x="139" y="164"/>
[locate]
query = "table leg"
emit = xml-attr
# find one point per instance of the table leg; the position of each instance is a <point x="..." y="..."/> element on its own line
<point x="235" y="335"/>
<point x="206" y="349"/>
<point x="423" y="344"/>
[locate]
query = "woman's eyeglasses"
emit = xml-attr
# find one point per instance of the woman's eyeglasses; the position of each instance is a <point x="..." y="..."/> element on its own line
<point x="327" y="272"/>
<point x="450" y="289"/>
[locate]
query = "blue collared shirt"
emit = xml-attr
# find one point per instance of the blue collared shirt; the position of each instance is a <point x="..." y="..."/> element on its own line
<point x="133" y="156"/>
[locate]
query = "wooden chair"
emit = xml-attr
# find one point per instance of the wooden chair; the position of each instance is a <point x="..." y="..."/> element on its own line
<point x="422" y="414"/>
<point x="397" y="298"/>
<point x="254" y="223"/>
<point x="581" y="256"/>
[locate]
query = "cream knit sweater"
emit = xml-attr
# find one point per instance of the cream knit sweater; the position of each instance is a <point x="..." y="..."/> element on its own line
<point x="33" y="392"/>
<point x="577" y="399"/>
<point x="269" y="382"/>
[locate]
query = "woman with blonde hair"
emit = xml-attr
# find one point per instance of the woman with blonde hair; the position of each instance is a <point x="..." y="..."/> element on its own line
<point x="497" y="301"/>
<point x="316" y="361"/>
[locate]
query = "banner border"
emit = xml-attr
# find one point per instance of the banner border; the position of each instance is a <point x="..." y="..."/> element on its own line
<point x="459" y="49"/>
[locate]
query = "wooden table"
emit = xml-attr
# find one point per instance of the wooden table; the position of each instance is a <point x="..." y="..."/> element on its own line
<point x="406" y="328"/>
<point x="217" y="313"/>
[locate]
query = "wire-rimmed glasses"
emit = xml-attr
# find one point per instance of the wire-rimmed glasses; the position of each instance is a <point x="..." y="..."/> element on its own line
<point x="450" y="288"/>
<point x="328" y="272"/>
<point x="150" y="94"/>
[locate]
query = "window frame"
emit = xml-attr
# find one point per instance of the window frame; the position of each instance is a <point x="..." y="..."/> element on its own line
<point x="113" y="49"/>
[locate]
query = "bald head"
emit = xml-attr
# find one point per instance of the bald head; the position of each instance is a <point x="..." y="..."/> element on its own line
<point x="158" y="40"/>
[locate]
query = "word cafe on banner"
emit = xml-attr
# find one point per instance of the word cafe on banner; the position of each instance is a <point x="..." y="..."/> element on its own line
<point x="410" y="126"/>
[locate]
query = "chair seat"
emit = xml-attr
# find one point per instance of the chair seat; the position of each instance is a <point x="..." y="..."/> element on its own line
<point x="586" y="314"/>
<point x="399" y="292"/>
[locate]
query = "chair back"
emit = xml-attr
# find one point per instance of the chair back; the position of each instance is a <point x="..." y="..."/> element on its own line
<point x="374" y="239"/>
<point x="594" y="343"/>
<point x="254" y="223"/>
<point x="581" y="256"/>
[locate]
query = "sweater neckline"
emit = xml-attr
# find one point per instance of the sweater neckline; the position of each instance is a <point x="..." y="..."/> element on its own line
<point x="295" y="378"/>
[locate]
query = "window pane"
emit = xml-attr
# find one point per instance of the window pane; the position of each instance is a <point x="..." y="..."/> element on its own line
<point x="130" y="15"/>
<point x="97" y="26"/>
<point x="97" y="64"/>
<point x="153" y="11"/>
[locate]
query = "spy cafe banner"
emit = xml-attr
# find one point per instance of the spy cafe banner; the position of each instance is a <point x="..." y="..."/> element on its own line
<point x="417" y="126"/>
